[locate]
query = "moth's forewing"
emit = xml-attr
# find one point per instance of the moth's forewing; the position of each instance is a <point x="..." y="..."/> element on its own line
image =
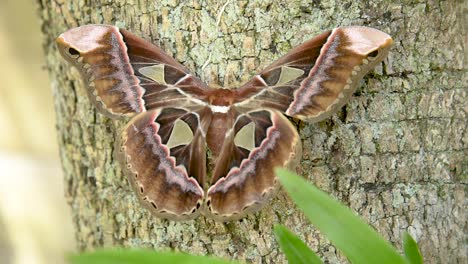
<point x="332" y="66"/>
<point x="125" y="74"/>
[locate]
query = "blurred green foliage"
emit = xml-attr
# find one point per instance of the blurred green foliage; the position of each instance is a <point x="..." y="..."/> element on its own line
<point x="351" y="235"/>
<point x="140" y="256"/>
<point x="411" y="250"/>
<point x="294" y="248"/>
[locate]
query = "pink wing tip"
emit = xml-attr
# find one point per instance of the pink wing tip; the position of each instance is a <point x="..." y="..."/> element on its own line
<point x="365" y="39"/>
<point x="83" y="38"/>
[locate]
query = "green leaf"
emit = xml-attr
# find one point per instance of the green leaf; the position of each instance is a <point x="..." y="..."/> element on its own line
<point x="411" y="249"/>
<point x="357" y="240"/>
<point x="140" y="256"/>
<point x="295" y="250"/>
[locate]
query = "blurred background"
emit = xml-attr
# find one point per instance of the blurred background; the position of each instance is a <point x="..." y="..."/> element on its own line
<point x="35" y="224"/>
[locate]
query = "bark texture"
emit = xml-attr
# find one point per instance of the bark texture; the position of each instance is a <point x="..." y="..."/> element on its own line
<point x="396" y="154"/>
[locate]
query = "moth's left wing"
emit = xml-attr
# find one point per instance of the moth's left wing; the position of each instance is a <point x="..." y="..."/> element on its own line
<point x="316" y="78"/>
<point x="243" y="179"/>
<point x="125" y="74"/>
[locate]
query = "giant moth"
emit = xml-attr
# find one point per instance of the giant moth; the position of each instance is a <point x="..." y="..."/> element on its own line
<point x="192" y="149"/>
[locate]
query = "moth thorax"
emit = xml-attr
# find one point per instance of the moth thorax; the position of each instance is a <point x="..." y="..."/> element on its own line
<point x="222" y="97"/>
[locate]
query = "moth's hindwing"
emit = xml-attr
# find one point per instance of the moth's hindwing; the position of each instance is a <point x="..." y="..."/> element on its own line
<point x="164" y="155"/>
<point x="260" y="141"/>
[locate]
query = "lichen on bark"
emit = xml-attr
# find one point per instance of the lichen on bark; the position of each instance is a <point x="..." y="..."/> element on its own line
<point x="396" y="153"/>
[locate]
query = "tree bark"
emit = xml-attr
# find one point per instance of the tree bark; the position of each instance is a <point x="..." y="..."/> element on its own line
<point x="396" y="154"/>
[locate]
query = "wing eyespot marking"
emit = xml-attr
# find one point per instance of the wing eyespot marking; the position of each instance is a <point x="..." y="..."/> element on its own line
<point x="73" y="53"/>
<point x="373" y="54"/>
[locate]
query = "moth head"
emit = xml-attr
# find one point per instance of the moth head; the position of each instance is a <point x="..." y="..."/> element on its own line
<point x="75" y="44"/>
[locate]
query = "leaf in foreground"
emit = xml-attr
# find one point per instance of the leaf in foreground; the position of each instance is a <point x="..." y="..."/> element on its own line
<point x="358" y="241"/>
<point x="295" y="249"/>
<point x="134" y="256"/>
<point x="411" y="250"/>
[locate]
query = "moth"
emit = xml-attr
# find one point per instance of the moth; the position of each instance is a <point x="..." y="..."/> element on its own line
<point x="191" y="149"/>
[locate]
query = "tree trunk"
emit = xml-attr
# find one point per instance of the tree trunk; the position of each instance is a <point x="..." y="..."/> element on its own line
<point x="396" y="153"/>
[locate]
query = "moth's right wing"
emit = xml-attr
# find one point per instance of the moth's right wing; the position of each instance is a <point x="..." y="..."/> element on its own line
<point x="162" y="149"/>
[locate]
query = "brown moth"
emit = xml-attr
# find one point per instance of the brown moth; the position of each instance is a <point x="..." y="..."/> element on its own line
<point x="181" y="128"/>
